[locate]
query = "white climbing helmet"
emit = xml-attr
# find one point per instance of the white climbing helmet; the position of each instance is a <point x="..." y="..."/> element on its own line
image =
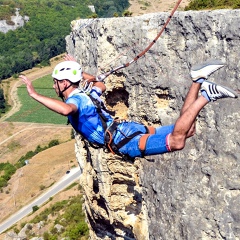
<point x="69" y="70"/>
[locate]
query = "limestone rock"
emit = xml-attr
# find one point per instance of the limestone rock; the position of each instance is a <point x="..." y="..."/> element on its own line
<point x="191" y="194"/>
<point x="59" y="228"/>
<point x="17" y="21"/>
<point x="11" y="235"/>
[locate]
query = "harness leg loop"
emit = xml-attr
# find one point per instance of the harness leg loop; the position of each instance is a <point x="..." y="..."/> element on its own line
<point x="150" y="129"/>
<point x="143" y="139"/>
<point x="143" y="142"/>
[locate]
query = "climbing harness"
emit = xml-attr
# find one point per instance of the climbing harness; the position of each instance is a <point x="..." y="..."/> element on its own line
<point x="86" y="86"/>
<point x="114" y="148"/>
<point x="111" y="130"/>
<point x="99" y="107"/>
<point x="143" y="139"/>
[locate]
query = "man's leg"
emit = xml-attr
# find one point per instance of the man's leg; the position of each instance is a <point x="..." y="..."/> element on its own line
<point x="199" y="73"/>
<point x="190" y="99"/>
<point x="185" y="123"/>
<point x="210" y="92"/>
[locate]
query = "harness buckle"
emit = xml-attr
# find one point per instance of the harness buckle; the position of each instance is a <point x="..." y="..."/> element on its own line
<point x="108" y="137"/>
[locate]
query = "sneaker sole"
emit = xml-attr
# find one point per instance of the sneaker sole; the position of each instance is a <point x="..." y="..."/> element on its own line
<point x="198" y="71"/>
<point x="208" y="63"/>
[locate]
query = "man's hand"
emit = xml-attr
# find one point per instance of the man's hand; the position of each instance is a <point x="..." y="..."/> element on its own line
<point x="30" y="88"/>
<point x="68" y="57"/>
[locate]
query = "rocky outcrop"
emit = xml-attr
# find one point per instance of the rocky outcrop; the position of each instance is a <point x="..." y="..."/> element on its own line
<point x="16" y="22"/>
<point x="191" y="194"/>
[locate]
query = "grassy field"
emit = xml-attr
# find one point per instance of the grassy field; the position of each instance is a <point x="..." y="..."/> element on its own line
<point x="32" y="111"/>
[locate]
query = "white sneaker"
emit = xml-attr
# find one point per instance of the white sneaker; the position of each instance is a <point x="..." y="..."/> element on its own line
<point x="215" y="91"/>
<point x="205" y="69"/>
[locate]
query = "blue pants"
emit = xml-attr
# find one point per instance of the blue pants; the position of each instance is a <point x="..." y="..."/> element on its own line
<point x="156" y="143"/>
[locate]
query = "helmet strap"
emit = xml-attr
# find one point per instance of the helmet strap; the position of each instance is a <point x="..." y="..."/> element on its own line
<point x="61" y="92"/>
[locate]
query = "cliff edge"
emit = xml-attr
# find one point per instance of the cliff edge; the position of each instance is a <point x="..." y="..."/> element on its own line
<point x="190" y="194"/>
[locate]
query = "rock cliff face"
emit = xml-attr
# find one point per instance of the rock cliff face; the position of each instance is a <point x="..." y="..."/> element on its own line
<point x="190" y="194"/>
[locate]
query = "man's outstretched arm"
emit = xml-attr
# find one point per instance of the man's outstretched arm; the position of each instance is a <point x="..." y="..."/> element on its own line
<point x="51" y="103"/>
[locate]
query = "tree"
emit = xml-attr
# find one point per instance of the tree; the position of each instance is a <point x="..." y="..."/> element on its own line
<point x="35" y="208"/>
<point x="2" y="102"/>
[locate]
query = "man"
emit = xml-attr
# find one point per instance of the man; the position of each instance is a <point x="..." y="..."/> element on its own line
<point x="125" y="138"/>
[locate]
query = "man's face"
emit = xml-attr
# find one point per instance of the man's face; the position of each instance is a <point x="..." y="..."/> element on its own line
<point x="57" y="85"/>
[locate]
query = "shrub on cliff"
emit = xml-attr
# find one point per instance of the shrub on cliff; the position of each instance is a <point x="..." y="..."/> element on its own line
<point x="212" y="4"/>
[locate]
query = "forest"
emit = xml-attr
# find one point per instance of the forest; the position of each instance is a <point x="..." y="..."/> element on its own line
<point x="43" y="36"/>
